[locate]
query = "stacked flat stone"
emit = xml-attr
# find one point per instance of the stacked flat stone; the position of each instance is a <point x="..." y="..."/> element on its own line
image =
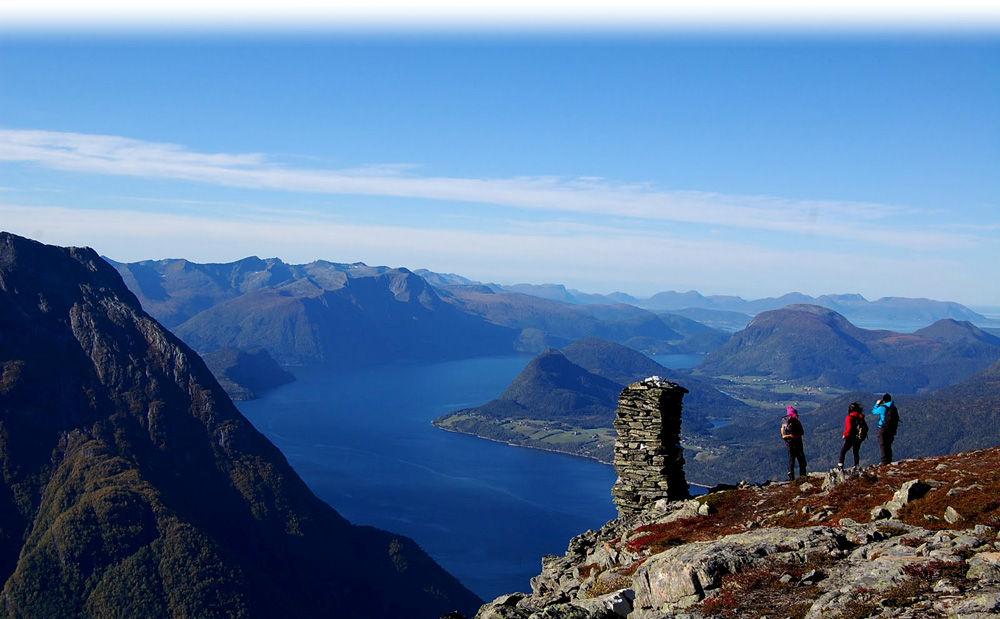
<point x="648" y="454"/>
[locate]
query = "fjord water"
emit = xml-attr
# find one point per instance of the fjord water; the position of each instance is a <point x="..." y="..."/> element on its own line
<point x="363" y="441"/>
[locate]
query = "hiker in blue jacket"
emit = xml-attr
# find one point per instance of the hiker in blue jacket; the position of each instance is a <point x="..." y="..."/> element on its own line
<point x="887" y="416"/>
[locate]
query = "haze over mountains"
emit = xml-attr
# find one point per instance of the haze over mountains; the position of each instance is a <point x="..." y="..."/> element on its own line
<point x="130" y="485"/>
<point x="322" y="312"/>
<point x="815" y="345"/>
<point x="353" y="314"/>
<point x="854" y="306"/>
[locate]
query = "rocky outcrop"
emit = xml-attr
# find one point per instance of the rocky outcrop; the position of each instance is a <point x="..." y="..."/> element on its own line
<point x="648" y="454"/>
<point x="805" y="549"/>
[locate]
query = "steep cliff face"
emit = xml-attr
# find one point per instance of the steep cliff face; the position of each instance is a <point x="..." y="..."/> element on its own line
<point x="245" y="374"/>
<point x="130" y="484"/>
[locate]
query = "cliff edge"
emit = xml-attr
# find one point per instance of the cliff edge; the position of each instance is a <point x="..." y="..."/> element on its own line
<point x="917" y="538"/>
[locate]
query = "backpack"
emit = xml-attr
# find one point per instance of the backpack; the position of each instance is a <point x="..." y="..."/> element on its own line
<point x="791" y="426"/>
<point x="861" y="431"/>
<point x="891" y="418"/>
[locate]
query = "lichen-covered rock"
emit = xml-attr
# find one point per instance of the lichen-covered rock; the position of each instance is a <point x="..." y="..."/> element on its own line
<point x="683" y="575"/>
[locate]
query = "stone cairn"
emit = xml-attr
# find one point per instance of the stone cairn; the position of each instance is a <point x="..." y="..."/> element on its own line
<point x="648" y="454"/>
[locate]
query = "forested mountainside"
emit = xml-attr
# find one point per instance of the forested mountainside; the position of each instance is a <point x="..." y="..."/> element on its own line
<point x="130" y="485"/>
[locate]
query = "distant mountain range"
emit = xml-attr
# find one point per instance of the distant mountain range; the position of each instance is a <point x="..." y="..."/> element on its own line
<point x="543" y="323"/>
<point x="884" y="311"/>
<point x="354" y="314"/>
<point x="321" y="312"/>
<point x="130" y="485"/>
<point x="818" y="346"/>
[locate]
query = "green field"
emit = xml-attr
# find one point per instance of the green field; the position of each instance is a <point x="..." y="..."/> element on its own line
<point x="596" y="443"/>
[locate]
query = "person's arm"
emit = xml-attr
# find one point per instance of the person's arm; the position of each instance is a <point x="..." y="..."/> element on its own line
<point x="847" y="426"/>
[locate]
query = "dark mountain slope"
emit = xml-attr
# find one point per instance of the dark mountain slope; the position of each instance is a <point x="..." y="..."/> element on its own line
<point x="956" y="418"/>
<point x="624" y="365"/>
<point x="553" y="387"/>
<point x="799" y="342"/>
<point x="246" y="373"/>
<point x="615" y="362"/>
<point x="131" y="485"/>
<point x="817" y="345"/>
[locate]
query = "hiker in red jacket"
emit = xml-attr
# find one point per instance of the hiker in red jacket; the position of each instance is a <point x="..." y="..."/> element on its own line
<point x="791" y="432"/>
<point x="855" y="432"/>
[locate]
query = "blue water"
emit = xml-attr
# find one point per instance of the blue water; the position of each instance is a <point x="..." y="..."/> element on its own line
<point x="678" y="362"/>
<point x="364" y="442"/>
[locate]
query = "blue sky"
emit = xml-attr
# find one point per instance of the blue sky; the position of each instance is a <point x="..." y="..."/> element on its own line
<point x="751" y="165"/>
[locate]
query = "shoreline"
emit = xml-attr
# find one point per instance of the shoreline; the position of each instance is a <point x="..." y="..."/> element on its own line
<point x="550" y="450"/>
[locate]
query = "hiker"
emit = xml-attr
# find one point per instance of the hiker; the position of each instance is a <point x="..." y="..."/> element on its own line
<point x="791" y="432"/>
<point x="888" y="422"/>
<point x="855" y="432"/>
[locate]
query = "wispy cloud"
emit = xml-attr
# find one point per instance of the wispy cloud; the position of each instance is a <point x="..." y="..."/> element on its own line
<point x="594" y="258"/>
<point x="116" y="155"/>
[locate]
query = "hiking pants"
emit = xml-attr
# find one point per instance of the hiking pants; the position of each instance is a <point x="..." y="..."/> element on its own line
<point x="795" y="454"/>
<point x="885" y="439"/>
<point x="850" y="444"/>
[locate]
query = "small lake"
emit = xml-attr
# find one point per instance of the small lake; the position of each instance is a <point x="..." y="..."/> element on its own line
<point x="364" y="443"/>
<point x="678" y="362"/>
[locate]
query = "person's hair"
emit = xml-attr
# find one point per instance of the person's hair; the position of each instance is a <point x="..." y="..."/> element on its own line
<point x="887" y="398"/>
<point x="855" y="407"/>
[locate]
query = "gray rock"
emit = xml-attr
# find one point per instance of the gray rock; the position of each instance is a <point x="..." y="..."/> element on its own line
<point x="617" y="604"/>
<point x="681" y="576"/>
<point x="911" y="491"/>
<point x="985" y="567"/>
<point x="979" y="604"/>
<point x="880" y="513"/>
<point x="951" y="516"/>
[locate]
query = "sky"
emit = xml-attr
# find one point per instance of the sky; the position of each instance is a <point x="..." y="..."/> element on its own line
<point x="727" y="163"/>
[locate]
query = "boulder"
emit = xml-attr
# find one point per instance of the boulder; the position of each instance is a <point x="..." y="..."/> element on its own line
<point x="681" y="576"/>
<point x="880" y="513"/>
<point x="985" y="567"/>
<point x="951" y="516"/>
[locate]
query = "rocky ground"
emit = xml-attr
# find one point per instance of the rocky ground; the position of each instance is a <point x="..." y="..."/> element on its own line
<point x="914" y="539"/>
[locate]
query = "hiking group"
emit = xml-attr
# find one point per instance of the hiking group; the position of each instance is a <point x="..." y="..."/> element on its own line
<point x="855" y="433"/>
